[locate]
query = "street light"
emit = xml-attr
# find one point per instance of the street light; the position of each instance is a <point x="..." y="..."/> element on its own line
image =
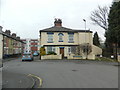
<point x="85" y="23"/>
<point x="85" y="38"/>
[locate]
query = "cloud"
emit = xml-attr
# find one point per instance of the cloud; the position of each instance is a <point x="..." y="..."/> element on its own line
<point x="30" y="16"/>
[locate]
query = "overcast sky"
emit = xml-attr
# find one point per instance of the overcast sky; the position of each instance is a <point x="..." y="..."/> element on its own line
<point x="27" y="17"/>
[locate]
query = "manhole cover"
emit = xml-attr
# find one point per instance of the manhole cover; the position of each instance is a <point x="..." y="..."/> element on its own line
<point x="74" y="70"/>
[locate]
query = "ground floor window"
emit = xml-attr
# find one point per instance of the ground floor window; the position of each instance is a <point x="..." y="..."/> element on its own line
<point x="51" y="49"/>
<point x="69" y="50"/>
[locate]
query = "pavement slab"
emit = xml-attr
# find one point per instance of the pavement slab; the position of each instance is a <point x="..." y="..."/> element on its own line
<point x="0" y="78"/>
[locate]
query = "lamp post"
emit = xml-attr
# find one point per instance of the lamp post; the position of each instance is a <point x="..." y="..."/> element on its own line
<point x="85" y="39"/>
<point x="85" y="23"/>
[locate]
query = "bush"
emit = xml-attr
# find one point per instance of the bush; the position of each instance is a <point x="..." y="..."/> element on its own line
<point x="51" y="53"/>
<point x="42" y="51"/>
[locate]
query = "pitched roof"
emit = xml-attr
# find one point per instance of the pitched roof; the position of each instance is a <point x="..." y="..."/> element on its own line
<point x="62" y="29"/>
<point x="9" y="36"/>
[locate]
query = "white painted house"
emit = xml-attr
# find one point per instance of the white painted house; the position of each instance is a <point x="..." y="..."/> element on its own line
<point x="64" y="41"/>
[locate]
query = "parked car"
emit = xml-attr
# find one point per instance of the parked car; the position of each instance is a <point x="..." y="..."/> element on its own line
<point x="35" y="54"/>
<point x="27" y="57"/>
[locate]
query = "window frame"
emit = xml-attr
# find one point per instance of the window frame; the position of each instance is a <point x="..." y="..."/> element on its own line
<point x="50" y="37"/>
<point x="60" y="37"/>
<point x="71" y="37"/>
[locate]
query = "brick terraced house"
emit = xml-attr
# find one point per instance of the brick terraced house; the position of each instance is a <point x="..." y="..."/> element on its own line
<point x="10" y="43"/>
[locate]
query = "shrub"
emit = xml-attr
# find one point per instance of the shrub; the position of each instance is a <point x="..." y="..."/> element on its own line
<point x="51" y="53"/>
<point x="42" y="51"/>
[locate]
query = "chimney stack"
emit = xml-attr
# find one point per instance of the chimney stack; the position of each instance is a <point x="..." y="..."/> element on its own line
<point x="1" y="29"/>
<point x="18" y="38"/>
<point x="58" y="22"/>
<point x="14" y="35"/>
<point x="8" y="32"/>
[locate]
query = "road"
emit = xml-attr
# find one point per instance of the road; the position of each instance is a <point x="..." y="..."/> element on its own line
<point x="67" y="74"/>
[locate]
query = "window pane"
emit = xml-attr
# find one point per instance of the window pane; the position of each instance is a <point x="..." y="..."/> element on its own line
<point x="50" y="38"/>
<point x="71" y="37"/>
<point x="60" y="38"/>
<point x="53" y="49"/>
<point x="69" y="50"/>
<point x="49" y="49"/>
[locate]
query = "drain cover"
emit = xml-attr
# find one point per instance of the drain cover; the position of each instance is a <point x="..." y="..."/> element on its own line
<point x="74" y="70"/>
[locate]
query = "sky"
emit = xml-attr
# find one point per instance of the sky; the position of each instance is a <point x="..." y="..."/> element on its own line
<point x="27" y="17"/>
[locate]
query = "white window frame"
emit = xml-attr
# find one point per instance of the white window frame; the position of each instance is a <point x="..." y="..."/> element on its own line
<point x="53" y="49"/>
<point x="60" y="37"/>
<point x="70" y="38"/>
<point x="50" y="37"/>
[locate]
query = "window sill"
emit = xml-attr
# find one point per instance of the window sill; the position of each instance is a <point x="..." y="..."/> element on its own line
<point x="60" y="41"/>
<point x="49" y="41"/>
<point x="70" y="41"/>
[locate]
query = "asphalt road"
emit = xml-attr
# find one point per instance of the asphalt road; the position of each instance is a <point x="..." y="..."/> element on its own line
<point x="16" y="80"/>
<point x="67" y="74"/>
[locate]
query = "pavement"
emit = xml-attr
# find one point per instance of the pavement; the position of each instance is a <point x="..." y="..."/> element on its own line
<point x="0" y="78"/>
<point x="0" y="63"/>
<point x="1" y="74"/>
<point x="9" y="59"/>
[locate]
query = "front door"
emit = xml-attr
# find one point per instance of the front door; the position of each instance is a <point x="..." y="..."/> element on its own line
<point x="62" y="52"/>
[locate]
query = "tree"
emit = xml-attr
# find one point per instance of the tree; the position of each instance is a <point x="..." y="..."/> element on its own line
<point x="113" y="33"/>
<point x="100" y="16"/>
<point x="96" y="39"/>
<point x="84" y="48"/>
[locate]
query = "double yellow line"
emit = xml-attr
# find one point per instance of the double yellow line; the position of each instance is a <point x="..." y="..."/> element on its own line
<point x="40" y="80"/>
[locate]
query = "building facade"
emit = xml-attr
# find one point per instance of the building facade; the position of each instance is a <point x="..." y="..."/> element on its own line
<point x="1" y="43"/>
<point x="31" y="45"/>
<point x="10" y="44"/>
<point x="64" y="41"/>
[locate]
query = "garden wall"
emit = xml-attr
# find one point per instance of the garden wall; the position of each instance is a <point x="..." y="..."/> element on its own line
<point x="51" y="57"/>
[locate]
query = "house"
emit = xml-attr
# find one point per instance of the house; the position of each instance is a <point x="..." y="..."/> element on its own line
<point x="31" y="45"/>
<point x="68" y="43"/>
<point x="10" y="44"/>
<point x="1" y="43"/>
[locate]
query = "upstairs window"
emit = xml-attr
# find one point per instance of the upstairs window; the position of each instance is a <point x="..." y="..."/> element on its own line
<point x="50" y="37"/>
<point x="71" y="37"/>
<point x="60" y="37"/>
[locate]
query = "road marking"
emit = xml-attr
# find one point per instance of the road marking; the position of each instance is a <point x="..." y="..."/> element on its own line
<point x="40" y="80"/>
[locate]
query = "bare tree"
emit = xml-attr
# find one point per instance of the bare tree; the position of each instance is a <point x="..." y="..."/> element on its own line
<point x="100" y="17"/>
<point x="84" y="48"/>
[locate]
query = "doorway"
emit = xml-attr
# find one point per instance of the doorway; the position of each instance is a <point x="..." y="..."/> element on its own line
<point x="62" y="51"/>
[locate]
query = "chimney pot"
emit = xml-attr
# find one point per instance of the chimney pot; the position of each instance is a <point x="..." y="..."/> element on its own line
<point x="8" y="32"/>
<point x="14" y="35"/>
<point x="58" y="22"/>
<point x="18" y="38"/>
